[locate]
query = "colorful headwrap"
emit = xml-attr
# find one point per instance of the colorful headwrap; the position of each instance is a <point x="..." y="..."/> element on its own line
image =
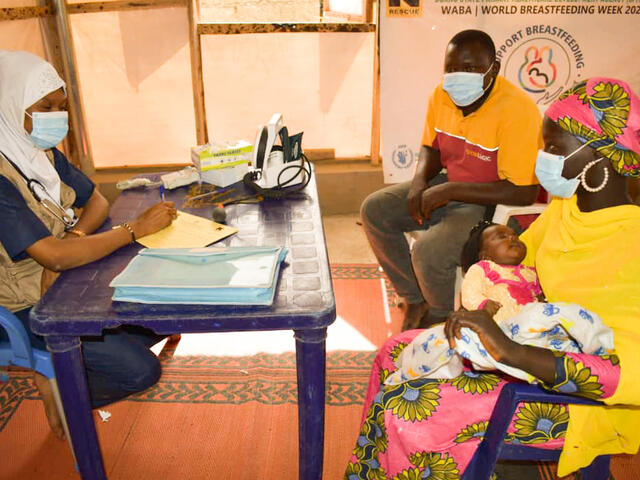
<point x="604" y="113"/>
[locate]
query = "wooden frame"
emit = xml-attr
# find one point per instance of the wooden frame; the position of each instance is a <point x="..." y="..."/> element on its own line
<point x="233" y="28"/>
<point x="375" y="102"/>
<point x="23" y="13"/>
<point x="202" y="134"/>
<point x="57" y="55"/>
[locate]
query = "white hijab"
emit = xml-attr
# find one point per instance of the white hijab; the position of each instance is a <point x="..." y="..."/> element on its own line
<point x="25" y="79"/>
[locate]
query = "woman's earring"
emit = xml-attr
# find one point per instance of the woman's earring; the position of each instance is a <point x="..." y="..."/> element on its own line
<point x="583" y="176"/>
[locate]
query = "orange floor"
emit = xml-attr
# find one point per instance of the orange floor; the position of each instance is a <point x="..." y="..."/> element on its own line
<point x="149" y="439"/>
<point x="224" y="418"/>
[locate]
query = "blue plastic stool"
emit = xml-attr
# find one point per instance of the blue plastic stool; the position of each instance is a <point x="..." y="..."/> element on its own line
<point x="493" y="448"/>
<point x="17" y="351"/>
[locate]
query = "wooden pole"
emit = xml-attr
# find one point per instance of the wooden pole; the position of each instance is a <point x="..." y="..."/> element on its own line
<point x="79" y="140"/>
<point x="375" y="114"/>
<point x="202" y="135"/>
<point x="50" y="36"/>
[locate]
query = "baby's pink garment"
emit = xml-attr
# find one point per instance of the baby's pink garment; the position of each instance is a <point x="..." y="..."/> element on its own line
<point x="510" y="285"/>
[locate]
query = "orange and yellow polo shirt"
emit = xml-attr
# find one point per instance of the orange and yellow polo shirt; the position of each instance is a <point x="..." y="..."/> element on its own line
<point x="499" y="141"/>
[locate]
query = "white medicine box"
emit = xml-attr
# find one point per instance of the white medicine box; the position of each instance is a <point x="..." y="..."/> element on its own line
<point x="222" y="163"/>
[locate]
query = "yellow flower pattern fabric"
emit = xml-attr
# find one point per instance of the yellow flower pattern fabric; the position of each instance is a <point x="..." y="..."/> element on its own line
<point x="574" y="378"/>
<point x="473" y="431"/>
<point x="475" y="382"/>
<point x="394" y="354"/>
<point x="604" y="113"/>
<point x="435" y="466"/>
<point x="412" y="401"/>
<point x="539" y="423"/>
<point x="429" y="429"/>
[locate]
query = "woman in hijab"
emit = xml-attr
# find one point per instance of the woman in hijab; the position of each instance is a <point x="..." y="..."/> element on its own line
<point x="585" y="249"/>
<point x="49" y="212"/>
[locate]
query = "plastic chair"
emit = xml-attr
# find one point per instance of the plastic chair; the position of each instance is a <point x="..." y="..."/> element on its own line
<point x="503" y="212"/>
<point x="493" y="448"/>
<point x="17" y="351"/>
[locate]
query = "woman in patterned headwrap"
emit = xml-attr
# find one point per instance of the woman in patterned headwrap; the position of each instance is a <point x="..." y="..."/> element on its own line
<point x="585" y="249"/>
<point x="41" y="235"/>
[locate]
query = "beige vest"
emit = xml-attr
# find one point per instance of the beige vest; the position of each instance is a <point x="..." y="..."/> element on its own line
<point x="20" y="281"/>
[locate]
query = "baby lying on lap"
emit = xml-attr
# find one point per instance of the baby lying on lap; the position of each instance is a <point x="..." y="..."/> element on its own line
<point x="497" y="282"/>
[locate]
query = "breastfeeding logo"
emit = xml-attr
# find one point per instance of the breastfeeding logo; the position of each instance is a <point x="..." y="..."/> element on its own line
<point x="402" y="156"/>
<point x="544" y="60"/>
<point x="538" y="71"/>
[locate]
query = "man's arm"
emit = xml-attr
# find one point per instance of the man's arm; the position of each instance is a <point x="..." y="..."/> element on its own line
<point x="492" y="193"/>
<point x="429" y="165"/>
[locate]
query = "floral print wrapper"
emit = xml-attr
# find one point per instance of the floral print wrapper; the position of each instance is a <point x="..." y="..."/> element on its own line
<point x="427" y="429"/>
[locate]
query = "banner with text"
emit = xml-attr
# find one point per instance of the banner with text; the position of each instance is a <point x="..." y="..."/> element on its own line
<point x="543" y="46"/>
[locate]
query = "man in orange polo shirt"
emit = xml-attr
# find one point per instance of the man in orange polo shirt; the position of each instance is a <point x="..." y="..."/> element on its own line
<point x="486" y="133"/>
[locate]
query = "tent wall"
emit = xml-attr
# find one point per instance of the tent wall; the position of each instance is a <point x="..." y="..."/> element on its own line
<point x="320" y="82"/>
<point x="136" y="82"/>
<point x="22" y="35"/>
<point x="135" y="76"/>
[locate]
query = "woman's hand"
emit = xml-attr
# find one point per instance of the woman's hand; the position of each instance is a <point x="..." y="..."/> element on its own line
<point x="58" y="255"/>
<point x="536" y="361"/>
<point x="492" y="307"/>
<point x="499" y="346"/>
<point x="154" y="219"/>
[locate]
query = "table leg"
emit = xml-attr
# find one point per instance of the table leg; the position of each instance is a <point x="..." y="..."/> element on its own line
<point x="311" y="359"/>
<point x="74" y="392"/>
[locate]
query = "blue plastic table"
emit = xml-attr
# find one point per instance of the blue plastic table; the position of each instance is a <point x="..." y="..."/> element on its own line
<point x="79" y="303"/>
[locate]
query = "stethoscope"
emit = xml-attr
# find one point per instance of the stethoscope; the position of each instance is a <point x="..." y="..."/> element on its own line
<point x="45" y="199"/>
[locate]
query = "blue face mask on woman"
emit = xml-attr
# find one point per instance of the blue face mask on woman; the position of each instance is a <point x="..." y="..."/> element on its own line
<point x="49" y="128"/>
<point x="549" y="172"/>
<point x="464" y="88"/>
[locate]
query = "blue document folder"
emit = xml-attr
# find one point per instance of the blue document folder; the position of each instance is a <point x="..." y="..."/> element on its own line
<point x="212" y="276"/>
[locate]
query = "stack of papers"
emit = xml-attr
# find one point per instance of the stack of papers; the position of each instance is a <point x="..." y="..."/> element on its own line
<point x="209" y="276"/>
<point x="188" y="231"/>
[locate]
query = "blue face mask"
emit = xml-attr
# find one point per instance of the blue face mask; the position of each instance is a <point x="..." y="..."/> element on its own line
<point x="464" y="88"/>
<point x="49" y="128"/>
<point x="549" y="172"/>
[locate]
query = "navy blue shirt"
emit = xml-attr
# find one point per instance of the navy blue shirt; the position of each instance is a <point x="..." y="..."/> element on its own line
<point x="19" y="226"/>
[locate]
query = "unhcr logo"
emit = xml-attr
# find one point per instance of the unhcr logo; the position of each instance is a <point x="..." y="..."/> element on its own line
<point x="544" y="60"/>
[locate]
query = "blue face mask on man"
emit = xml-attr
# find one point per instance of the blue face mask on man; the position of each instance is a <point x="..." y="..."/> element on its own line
<point x="549" y="172"/>
<point x="49" y="128"/>
<point x="464" y="88"/>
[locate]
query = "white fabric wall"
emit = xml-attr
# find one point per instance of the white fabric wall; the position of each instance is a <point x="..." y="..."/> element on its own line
<point x="135" y="75"/>
<point x="320" y="82"/>
<point x="22" y="35"/>
<point x="136" y="83"/>
<point x="134" y="71"/>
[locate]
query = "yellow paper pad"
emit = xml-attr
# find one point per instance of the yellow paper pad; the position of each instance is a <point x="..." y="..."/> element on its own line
<point x="188" y="231"/>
